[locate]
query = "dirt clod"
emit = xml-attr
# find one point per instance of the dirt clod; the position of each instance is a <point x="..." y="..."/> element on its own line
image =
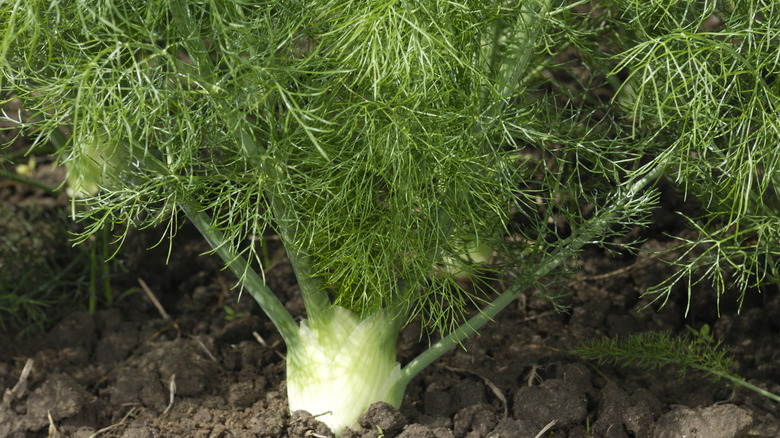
<point x="383" y="416"/>
<point x="474" y="421"/>
<point x="420" y="431"/>
<point x="305" y="425"/>
<point x="717" y="421"/>
<point x="134" y="386"/>
<point x="61" y="397"/>
<point x="552" y="400"/>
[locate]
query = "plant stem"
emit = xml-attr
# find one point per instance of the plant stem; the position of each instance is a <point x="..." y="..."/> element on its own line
<point x="584" y="235"/>
<point x="27" y="181"/>
<point x="315" y="299"/>
<point x="104" y="267"/>
<point x="484" y="316"/>
<point x="270" y="304"/>
<point x="742" y="382"/>
<point x="526" y="29"/>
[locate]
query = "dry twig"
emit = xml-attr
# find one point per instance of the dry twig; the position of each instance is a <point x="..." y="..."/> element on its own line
<point x="172" y="393"/>
<point x="53" y="432"/>
<point x="19" y="388"/>
<point x="154" y="300"/>
<point x="129" y="413"/>
<point x="259" y="339"/>
<point x="545" y="429"/>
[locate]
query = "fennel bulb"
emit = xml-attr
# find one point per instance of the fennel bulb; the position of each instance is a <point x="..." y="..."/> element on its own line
<point x="468" y="256"/>
<point x="96" y="166"/>
<point x="341" y="366"/>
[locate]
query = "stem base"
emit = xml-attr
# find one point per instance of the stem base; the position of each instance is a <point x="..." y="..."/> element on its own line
<point x="342" y="365"/>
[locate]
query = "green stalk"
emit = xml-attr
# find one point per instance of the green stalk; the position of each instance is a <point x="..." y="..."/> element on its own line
<point x="255" y="285"/>
<point x="512" y="64"/>
<point x="104" y="267"/>
<point x="584" y="235"/>
<point x="742" y="382"/>
<point x="13" y="176"/>
<point x="315" y="299"/>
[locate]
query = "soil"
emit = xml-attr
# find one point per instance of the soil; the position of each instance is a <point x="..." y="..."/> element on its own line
<point x="203" y="364"/>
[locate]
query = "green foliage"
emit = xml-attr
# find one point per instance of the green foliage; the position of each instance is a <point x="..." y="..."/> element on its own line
<point x="659" y="349"/>
<point x="231" y="315"/>
<point x="705" y="77"/>
<point x="697" y="352"/>
<point x="370" y="135"/>
<point x="367" y="132"/>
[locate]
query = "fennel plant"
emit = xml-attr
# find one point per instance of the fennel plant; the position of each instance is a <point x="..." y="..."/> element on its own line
<point x="380" y="139"/>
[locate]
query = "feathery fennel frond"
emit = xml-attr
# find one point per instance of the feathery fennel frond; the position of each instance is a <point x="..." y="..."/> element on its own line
<point x="704" y="79"/>
<point x="367" y="134"/>
<point x="697" y="352"/>
<point x="658" y="349"/>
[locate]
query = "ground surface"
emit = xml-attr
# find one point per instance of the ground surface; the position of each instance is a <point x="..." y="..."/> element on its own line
<point x="115" y="373"/>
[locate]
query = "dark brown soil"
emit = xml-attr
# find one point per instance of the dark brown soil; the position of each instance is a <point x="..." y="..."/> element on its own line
<point x="207" y="371"/>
